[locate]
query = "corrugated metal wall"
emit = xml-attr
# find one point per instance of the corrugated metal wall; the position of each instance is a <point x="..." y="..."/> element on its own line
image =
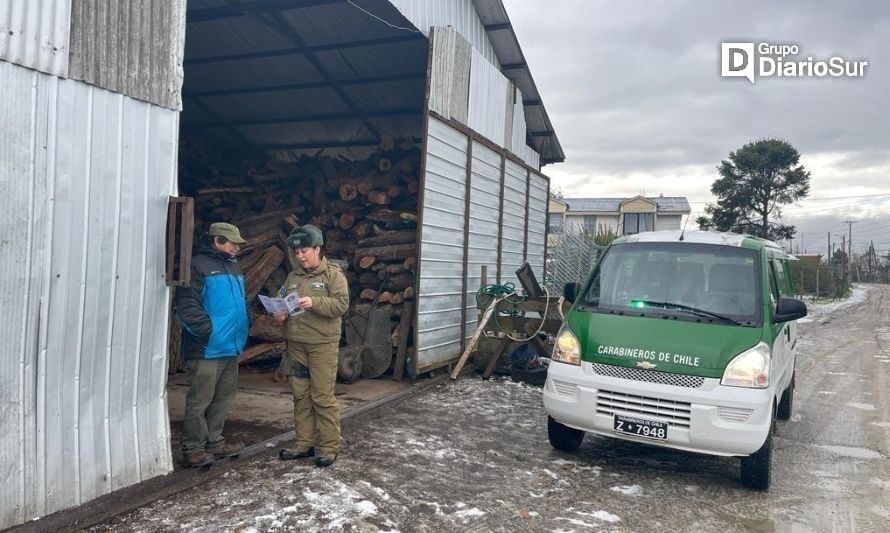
<point x="485" y="203"/>
<point x="450" y="74"/>
<point x="440" y="286"/>
<point x="133" y="47"/>
<point x="466" y="87"/>
<point x="489" y="93"/>
<point x="34" y="34"/>
<point x="86" y="174"/>
<point x="538" y="193"/>
<point x="459" y="14"/>
<point x="513" y="221"/>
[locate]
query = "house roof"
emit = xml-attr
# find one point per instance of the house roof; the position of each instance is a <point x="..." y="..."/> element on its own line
<point x="666" y="204"/>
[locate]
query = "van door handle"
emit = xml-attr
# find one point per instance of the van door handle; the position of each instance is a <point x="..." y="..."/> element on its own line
<point x="788" y="333"/>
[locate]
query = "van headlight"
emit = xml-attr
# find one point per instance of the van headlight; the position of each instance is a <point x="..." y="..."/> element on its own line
<point x="567" y="349"/>
<point x="749" y="368"/>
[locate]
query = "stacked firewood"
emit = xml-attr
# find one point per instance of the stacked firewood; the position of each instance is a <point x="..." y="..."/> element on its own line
<point x="367" y="210"/>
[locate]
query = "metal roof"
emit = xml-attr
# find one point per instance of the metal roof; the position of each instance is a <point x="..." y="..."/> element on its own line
<point x="666" y="204"/>
<point x="514" y="67"/>
<point x="300" y="74"/>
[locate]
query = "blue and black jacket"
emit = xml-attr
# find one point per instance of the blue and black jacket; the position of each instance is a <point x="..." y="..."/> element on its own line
<point x="212" y="309"/>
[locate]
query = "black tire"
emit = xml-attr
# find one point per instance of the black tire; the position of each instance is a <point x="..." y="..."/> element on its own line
<point x="756" y="468"/>
<point x="563" y="437"/>
<point x="532" y="376"/>
<point x="786" y="402"/>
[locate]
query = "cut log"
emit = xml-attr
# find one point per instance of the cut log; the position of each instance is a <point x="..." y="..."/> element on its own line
<point x="392" y="237"/>
<point x="384" y="164"/>
<point x="348" y="192"/>
<point x="257" y="275"/>
<point x="386" y="253"/>
<point x="378" y="197"/>
<point x="410" y="263"/>
<point x="408" y="293"/>
<point x="366" y="262"/>
<point x="346" y="221"/>
<point x="402" y="347"/>
<point x="387" y="143"/>
<point x="267" y="349"/>
<point x="384" y="297"/>
<point x="267" y="328"/>
<point x="368" y="294"/>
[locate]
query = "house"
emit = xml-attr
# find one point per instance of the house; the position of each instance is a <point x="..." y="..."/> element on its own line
<point x="624" y="216"/>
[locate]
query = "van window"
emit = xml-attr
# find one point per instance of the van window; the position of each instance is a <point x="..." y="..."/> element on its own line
<point x="783" y="278"/>
<point x="714" y="278"/>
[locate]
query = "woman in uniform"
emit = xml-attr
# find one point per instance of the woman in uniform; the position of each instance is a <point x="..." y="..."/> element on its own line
<point x="313" y="339"/>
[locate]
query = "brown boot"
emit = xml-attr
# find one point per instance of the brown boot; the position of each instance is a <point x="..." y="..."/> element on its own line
<point x="229" y="450"/>
<point x="197" y="458"/>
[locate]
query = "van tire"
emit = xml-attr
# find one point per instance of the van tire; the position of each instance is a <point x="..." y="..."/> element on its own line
<point x="755" y="468"/>
<point x="786" y="402"/>
<point x="532" y="376"/>
<point x="563" y="437"/>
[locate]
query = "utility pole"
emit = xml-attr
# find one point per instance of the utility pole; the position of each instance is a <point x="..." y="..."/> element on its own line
<point x="849" y="224"/>
<point x="829" y="247"/>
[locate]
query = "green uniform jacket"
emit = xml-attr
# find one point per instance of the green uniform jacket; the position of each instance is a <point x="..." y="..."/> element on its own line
<point x="327" y="287"/>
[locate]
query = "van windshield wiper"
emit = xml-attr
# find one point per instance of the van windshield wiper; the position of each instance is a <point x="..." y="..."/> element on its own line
<point x="688" y="309"/>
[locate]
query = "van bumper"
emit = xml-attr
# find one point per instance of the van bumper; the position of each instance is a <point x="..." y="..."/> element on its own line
<point x="711" y="419"/>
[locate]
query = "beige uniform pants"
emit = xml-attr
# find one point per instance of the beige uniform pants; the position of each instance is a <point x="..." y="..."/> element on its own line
<point x="316" y="411"/>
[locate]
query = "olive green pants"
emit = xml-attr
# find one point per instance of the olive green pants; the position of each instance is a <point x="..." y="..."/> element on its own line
<point x="212" y="387"/>
<point x="316" y="411"/>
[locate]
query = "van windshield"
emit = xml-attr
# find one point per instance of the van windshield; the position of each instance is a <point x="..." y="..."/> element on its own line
<point x="676" y="278"/>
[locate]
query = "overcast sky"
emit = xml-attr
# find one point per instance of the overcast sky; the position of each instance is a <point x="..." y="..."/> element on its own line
<point x="635" y="95"/>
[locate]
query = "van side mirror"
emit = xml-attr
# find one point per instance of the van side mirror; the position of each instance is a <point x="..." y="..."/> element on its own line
<point x="570" y="292"/>
<point x="789" y="309"/>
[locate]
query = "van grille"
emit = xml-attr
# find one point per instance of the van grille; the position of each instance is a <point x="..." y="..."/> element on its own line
<point x="734" y="414"/>
<point x="650" y="376"/>
<point x="676" y="414"/>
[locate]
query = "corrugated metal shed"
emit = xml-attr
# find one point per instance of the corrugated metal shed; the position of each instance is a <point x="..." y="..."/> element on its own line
<point x="538" y="193"/>
<point x="513" y="222"/>
<point x="450" y="74"/>
<point x="484" y="229"/>
<point x="503" y="39"/>
<point x="86" y="176"/>
<point x="302" y="75"/>
<point x="490" y="93"/>
<point x="35" y="34"/>
<point x="440" y="283"/>
<point x="133" y="47"/>
<point x="459" y="14"/>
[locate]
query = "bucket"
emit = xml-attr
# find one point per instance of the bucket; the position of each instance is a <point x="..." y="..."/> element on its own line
<point x="524" y="356"/>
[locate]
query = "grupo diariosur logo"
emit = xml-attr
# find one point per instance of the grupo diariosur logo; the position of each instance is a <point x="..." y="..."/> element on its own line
<point x="783" y="60"/>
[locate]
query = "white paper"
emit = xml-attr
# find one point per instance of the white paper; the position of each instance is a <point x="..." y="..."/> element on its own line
<point x="289" y="304"/>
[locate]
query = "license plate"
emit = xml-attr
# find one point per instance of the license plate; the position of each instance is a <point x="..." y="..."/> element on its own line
<point x="641" y="427"/>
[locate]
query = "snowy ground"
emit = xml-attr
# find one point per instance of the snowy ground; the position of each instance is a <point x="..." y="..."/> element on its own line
<point x="473" y="455"/>
<point x="820" y="309"/>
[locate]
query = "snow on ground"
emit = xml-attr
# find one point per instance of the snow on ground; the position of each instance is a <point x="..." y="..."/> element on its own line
<point x="822" y="308"/>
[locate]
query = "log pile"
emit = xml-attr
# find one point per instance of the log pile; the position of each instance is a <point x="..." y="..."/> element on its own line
<point x="367" y="210"/>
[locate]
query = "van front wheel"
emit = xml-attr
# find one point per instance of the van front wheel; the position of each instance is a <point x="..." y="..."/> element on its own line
<point x="756" y="467"/>
<point x="786" y="402"/>
<point x="563" y="437"/>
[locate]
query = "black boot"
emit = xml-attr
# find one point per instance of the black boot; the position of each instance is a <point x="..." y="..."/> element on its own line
<point x="289" y="455"/>
<point x="323" y="461"/>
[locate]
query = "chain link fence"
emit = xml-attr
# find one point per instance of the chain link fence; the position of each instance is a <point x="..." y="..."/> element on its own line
<point x="570" y="258"/>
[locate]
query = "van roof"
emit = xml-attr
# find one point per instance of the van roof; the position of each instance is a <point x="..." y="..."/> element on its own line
<point x="701" y="237"/>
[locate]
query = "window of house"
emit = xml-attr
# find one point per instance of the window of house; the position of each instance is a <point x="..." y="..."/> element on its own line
<point x="638" y="222"/>
<point x="588" y="225"/>
<point x="556" y="223"/>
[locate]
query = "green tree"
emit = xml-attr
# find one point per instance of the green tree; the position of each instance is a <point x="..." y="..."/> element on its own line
<point x="755" y="182"/>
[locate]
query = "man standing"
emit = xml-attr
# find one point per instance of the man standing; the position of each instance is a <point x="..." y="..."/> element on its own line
<point x="213" y="312"/>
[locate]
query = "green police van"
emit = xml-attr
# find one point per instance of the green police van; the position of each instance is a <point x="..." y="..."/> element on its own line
<point x="679" y="339"/>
